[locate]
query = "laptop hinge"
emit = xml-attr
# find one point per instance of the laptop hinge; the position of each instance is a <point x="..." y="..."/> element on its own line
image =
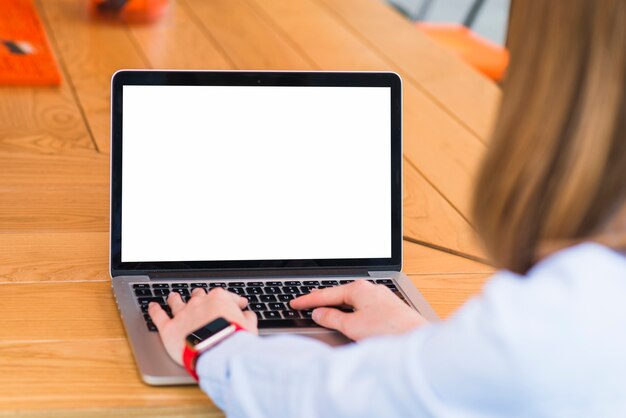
<point x="257" y="273"/>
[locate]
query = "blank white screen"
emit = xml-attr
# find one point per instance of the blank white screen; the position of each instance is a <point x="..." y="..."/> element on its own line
<point x="255" y="173"/>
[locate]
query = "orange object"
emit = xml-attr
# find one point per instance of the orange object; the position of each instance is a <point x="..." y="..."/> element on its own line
<point x="132" y="11"/>
<point x="487" y="57"/>
<point x="25" y="54"/>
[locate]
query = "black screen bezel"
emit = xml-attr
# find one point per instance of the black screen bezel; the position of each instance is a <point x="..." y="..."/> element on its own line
<point x="247" y="78"/>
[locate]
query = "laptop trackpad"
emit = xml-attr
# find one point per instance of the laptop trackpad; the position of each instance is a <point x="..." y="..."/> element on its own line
<point x="326" y="336"/>
<point x="331" y="338"/>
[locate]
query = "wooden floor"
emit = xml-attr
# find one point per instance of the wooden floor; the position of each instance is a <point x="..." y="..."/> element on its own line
<point x="63" y="350"/>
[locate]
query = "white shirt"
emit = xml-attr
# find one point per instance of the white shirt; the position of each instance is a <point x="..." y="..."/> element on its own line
<point x="550" y="344"/>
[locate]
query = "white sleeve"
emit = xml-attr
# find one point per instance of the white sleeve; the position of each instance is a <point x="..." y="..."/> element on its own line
<point x="459" y="367"/>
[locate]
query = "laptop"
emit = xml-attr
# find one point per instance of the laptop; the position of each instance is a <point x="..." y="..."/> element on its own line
<point x="268" y="184"/>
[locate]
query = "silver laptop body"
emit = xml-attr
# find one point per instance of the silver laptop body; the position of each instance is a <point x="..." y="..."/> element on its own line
<point x="266" y="183"/>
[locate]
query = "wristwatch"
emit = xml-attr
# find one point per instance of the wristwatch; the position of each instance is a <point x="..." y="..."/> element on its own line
<point x="205" y="338"/>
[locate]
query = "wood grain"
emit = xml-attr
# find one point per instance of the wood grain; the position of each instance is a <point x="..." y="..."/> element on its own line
<point x="249" y="41"/>
<point x="59" y="311"/>
<point x="44" y="121"/>
<point x="180" y="410"/>
<point x="43" y="193"/>
<point x="39" y="171"/>
<point x="428" y="217"/>
<point x="418" y="259"/>
<point x="178" y="42"/>
<point x="92" y="51"/>
<point x="54" y="208"/>
<point x="65" y="256"/>
<point x="446" y="293"/>
<point x="92" y="376"/>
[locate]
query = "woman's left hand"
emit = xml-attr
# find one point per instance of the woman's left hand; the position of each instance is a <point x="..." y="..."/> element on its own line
<point x="201" y="309"/>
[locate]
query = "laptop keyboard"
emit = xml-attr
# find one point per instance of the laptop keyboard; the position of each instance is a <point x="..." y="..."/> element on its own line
<point x="269" y="300"/>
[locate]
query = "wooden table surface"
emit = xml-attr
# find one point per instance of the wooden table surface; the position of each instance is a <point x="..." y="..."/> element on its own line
<point x="63" y="351"/>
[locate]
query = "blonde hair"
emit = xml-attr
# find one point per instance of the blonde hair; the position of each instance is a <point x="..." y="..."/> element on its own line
<point x="555" y="171"/>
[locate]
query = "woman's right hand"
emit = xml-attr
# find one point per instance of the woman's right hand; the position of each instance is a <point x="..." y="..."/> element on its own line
<point x="377" y="311"/>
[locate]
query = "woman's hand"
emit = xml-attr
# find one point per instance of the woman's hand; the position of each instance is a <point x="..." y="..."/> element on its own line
<point x="201" y="309"/>
<point x="377" y="311"/>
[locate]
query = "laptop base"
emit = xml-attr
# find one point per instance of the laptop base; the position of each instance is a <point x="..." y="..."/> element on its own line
<point x="157" y="368"/>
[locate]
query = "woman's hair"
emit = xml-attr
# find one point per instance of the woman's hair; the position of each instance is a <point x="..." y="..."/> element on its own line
<point x="555" y="170"/>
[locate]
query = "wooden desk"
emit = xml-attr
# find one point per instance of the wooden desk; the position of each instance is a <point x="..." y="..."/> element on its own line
<point x="62" y="347"/>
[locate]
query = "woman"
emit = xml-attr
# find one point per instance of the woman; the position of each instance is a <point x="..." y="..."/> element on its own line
<point x="546" y="337"/>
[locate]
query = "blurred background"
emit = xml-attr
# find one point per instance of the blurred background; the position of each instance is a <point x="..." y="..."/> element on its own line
<point x="476" y="30"/>
<point x="490" y="21"/>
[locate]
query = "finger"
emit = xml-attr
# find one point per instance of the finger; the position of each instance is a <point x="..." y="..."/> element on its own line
<point x="220" y="293"/>
<point x="175" y="302"/>
<point x="330" y="318"/>
<point x="158" y="315"/>
<point x="198" y="291"/>
<point x="338" y="295"/>
<point x="242" y="302"/>
<point x="251" y="319"/>
<point x="225" y="295"/>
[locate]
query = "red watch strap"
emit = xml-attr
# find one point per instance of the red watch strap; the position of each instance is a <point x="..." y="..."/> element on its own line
<point x="189" y="361"/>
<point x="190" y="355"/>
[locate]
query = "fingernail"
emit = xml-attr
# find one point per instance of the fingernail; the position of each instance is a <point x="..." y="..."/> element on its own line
<point x="316" y="314"/>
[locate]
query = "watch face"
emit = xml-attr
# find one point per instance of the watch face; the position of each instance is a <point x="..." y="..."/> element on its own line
<point x="207" y="331"/>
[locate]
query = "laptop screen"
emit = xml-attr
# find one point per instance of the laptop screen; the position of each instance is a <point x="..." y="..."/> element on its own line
<point x="231" y="172"/>
<point x="221" y="173"/>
